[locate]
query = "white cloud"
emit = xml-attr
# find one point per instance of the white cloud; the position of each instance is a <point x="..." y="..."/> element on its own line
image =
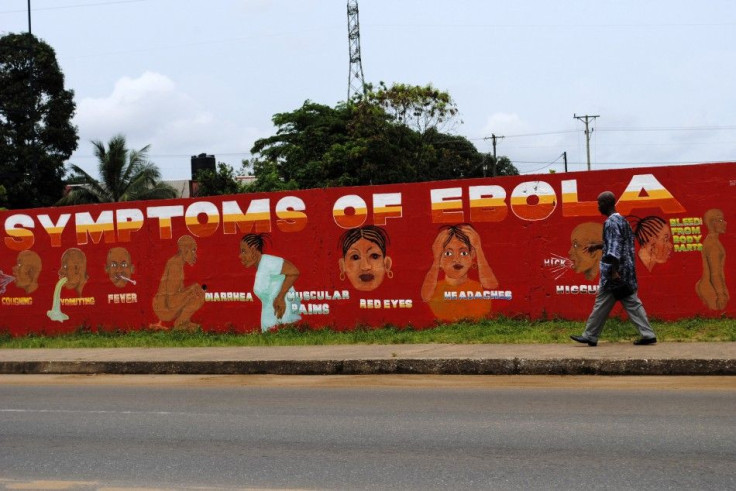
<point x="152" y="110"/>
<point x="138" y="108"/>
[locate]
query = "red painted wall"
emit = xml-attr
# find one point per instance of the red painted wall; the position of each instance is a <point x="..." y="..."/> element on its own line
<point x="523" y="226"/>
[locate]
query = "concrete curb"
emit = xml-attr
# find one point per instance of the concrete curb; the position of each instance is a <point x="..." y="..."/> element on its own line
<point x="449" y="366"/>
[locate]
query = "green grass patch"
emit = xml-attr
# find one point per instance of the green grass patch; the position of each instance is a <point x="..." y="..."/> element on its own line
<point x="494" y="331"/>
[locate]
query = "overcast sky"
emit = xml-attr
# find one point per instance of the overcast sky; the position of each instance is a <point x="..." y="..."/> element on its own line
<point x="194" y="76"/>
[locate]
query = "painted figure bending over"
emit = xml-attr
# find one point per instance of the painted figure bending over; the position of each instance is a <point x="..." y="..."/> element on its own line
<point x="617" y="263"/>
<point x="274" y="279"/>
<point x="174" y="301"/>
<point x="455" y="251"/>
<point x="711" y="287"/>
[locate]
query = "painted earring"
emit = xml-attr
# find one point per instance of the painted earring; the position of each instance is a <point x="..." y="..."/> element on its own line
<point x="342" y="276"/>
<point x="390" y="274"/>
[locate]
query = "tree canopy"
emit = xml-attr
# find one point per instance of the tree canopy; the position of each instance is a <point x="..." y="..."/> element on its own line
<point x="217" y="182"/>
<point x="421" y="108"/>
<point x="391" y="135"/>
<point x="36" y="133"/>
<point x="125" y="175"/>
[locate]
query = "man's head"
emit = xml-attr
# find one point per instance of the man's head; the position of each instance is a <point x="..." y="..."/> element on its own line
<point x="583" y="260"/>
<point x="119" y="266"/>
<point x="26" y="270"/>
<point x="715" y="221"/>
<point x="607" y="203"/>
<point x="187" y="249"/>
<point x="74" y="269"/>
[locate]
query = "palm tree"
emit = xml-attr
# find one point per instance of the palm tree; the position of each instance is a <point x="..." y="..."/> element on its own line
<point x="126" y="175"/>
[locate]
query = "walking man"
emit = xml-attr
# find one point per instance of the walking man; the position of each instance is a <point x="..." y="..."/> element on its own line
<point x="617" y="277"/>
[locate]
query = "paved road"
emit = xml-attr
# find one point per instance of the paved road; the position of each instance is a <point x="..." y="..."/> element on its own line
<point x="446" y="432"/>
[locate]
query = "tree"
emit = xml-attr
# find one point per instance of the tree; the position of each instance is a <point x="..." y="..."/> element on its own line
<point x="421" y="108"/>
<point x="504" y="167"/>
<point x="36" y="134"/>
<point x="449" y="157"/>
<point x="220" y="181"/>
<point x="361" y="142"/>
<point x="125" y="175"/>
<point x="304" y="136"/>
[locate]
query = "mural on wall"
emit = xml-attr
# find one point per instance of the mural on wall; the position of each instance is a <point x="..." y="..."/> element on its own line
<point x="175" y="301"/>
<point x="273" y="284"/>
<point x="583" y="257"/>
<point x="711" y="287"/>
<point x="119" y="267"/>
<point x="364" y="260"/>
<point x="654" y="237"/>
<point x="455" y="251"/>
<point x="27" y="270"/>
<point x="408" y="255"/>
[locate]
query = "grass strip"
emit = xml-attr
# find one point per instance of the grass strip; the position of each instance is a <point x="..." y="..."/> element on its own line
<point x="493" y="331"/>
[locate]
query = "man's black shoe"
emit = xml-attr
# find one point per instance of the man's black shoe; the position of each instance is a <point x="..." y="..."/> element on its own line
<point x="583" y="340"/>
<point x="643" y="341"/>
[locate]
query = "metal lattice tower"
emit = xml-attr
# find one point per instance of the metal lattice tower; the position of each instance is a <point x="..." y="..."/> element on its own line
<point x="356" y="83"/>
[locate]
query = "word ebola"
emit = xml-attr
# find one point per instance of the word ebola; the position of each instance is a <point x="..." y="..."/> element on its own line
<point x="528" y="201"/>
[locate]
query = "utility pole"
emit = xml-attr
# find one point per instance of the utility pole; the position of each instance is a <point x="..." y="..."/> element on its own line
<point x="493" y="138"/>
<point x="564" y="157"/>
<point x="586" y="119"/>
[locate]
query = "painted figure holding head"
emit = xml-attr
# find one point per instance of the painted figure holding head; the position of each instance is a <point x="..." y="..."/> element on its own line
<point x="456" y="251"/>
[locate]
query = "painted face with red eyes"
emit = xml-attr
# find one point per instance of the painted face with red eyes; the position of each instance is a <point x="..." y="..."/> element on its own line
<point x="365" y="265"/>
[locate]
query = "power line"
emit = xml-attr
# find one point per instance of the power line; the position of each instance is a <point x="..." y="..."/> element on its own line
<point x="59" y="7"/>
<point x="668" y="128"/>
<point x="622" y="129"/>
